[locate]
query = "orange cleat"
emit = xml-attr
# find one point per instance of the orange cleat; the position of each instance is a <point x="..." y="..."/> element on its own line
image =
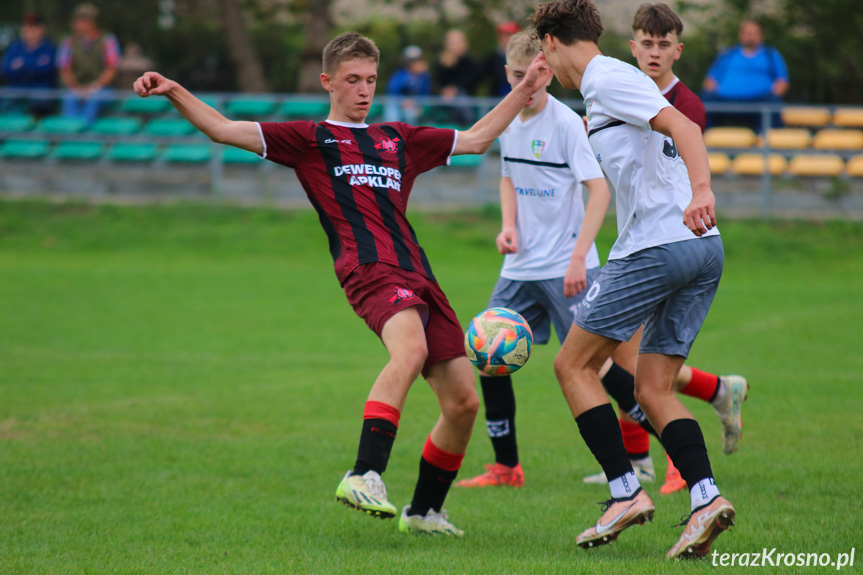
<point x="673" y="480"/>
<point x="496" y="474"/>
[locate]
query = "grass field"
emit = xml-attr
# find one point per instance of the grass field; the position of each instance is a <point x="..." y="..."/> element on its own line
<point x="181" y="391"/>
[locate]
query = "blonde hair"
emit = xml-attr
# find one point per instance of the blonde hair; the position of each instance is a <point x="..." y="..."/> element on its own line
<point x="522" y="46"/>
<point x="347" y="47"/>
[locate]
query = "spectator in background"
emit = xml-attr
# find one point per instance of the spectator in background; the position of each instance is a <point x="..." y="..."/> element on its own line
<point x="29" y="64"/>
<point x="750" y="72"/>
<point x="410" y="81"/>
<point x="88" y="60"/>
<point x="494" y="67"/>
<point x="457" y="75"/>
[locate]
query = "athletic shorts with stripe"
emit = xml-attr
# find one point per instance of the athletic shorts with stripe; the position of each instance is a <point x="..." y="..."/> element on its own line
<point x="378" y="291"/>
<point x="668" y="288"/>
<point x="541" y="303"/>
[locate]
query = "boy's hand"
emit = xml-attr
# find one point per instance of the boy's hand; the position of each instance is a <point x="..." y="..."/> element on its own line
<point x="699" y="216"/>
<point x="507" y="241"/>
<point x="152" y="84"/>
<point x="539" y="74"/>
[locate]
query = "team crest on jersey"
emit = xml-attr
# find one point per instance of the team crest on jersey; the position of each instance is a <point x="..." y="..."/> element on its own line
<point x="401" y="294"/>
<point x="387" y="144"/>
<point x="587" y="110"/>
<point x="537" y="146"/>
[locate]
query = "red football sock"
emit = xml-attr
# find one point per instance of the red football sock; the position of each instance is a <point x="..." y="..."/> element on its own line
<point x="702" y="385"/>
<point x="635" y="439"/>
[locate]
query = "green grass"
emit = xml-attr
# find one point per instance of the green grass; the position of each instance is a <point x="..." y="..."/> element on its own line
<point x="181" y="391"/>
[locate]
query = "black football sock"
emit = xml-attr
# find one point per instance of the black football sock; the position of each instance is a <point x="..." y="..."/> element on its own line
<point x="684" y="443"/>
<point x="620" y="385"/>
<point x="499" y="400"/>
<point x="432" y="487"/>
<point x="601" y="433"/>
<point x="376" y="443"/>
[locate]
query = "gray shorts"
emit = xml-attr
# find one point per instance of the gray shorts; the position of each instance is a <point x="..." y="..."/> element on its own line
<point x="668" y="288"/>
<point x="541" y="303"/>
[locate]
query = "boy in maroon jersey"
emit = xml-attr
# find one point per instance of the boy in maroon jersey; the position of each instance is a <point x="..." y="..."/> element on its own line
<point x="358" y="177"/>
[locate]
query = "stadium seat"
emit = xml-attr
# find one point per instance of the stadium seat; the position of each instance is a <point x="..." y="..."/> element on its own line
<point x="848" y="118"/>
<point x="855" y="167"/>
<point x="250" y="107"/>
<point x="838" y="139"/>
<point x="61" y="125"/>
<point x="789" y="138"/>
<point x="188" y="153"/>
<point x="20" y="150"/>
<point x="719" y="163"/>
<point x="816" y="165"/>
<point x="729" y="138"/>
<point x="753" y="164"/>
<point x="465" y="161"/>
<point x="150" y="106"/>
<point x="16" y="122"/>
<point x="77" y="151"/>
<point x="305" y="109"/>
<point x="232" y="155"/>
<point x="805" y="116"/>
<point x="168" y="127"/>
<point x="116" y="126"/>
<point x="132" y="152"/>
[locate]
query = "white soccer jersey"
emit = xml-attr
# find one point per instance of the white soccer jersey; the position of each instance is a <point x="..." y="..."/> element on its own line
<point x="547" y="157"/>
<point x="649" y="178"/>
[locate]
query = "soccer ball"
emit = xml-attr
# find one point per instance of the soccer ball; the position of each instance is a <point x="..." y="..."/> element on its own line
<point x="498" y="341"/>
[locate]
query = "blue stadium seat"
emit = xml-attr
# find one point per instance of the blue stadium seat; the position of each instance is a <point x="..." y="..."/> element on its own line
<point x="168" y="127"/>
<point x="77" y="151"/>
<point x="16" y="122"/>
<point x="188" y="153"/>
<point x="116" y="126"/>
<point x="21" y="150"/>
<point x="61" y="125"/>
<point x="133" y="152"/>
<point x="250" y="107"/>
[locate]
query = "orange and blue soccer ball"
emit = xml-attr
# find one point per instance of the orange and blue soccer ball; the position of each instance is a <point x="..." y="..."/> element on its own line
<point x="498" y="341"/>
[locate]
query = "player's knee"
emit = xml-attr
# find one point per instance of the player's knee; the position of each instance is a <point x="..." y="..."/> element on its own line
<point x="463" y="405"/>
<point x="413" y="357"/>
<point x="563" y="365"/>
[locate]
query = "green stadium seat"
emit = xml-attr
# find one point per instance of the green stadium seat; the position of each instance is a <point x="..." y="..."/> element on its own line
<point x="250" y="107"/>
<point x="233" y="155"/>
<point x="305" y="109"/>
<point x="168" y="127"/>
<point x="77" y="151"/>
<point x="465" y="161"/>
<point x="16" y="122"/>
<point x="116" y="126"/>
<point x="150" y="106"/>
<point x="133" y="152"/>
<point x="61" y="125"/>
<point x="188" y="153"/>
<point x="29" y="149"/>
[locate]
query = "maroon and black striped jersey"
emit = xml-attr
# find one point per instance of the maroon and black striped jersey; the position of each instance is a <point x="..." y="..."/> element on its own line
<point x="687" y="103"/>
<point x="359" y="177"/>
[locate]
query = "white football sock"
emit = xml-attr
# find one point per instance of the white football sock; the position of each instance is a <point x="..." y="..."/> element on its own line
<point x="624" y="486"/>
<point x="703" y="493"/>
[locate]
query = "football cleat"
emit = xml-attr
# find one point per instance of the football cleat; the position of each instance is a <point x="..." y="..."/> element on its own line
<point x="728" y="410"/>
<point x="673" y="480"/>
<point x="432" y="523"/>
<point x="366" y="493"/>
<point x="643" y="469"/>
<point x="496" y="474"/>
<point x="703" y="525"/>
<point x="618" y="514"/>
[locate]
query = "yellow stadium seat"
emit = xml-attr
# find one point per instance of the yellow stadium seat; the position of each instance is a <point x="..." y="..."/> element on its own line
<point x="753" y="164"/>
<point x="834" y="139"/>
<point x="729" y="138"/>
<point x="789" y="138"/>
<point x="719" y="163"/>
<point x="810" y="117"/>
<point x="848" y="117"/>
<point x="816" y="165"/>
<point x="855" y="167"/>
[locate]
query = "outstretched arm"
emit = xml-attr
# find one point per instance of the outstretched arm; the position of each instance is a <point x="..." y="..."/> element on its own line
<point x="698" y="216"/>
<point x="481" y="135"/>
<point x="208" y="120"/>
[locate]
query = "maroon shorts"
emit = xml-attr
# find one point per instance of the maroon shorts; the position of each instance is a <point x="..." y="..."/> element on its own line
<point x="378" y="291"/>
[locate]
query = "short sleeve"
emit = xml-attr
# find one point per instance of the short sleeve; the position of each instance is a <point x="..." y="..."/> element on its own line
<point x="428" y="147"/>
<point x="629" y="95"/>
<point x="286" y="142"/>
<point x="582" y="160"/>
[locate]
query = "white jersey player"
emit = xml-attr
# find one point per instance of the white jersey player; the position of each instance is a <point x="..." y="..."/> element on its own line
<point x="547" y="238"/>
